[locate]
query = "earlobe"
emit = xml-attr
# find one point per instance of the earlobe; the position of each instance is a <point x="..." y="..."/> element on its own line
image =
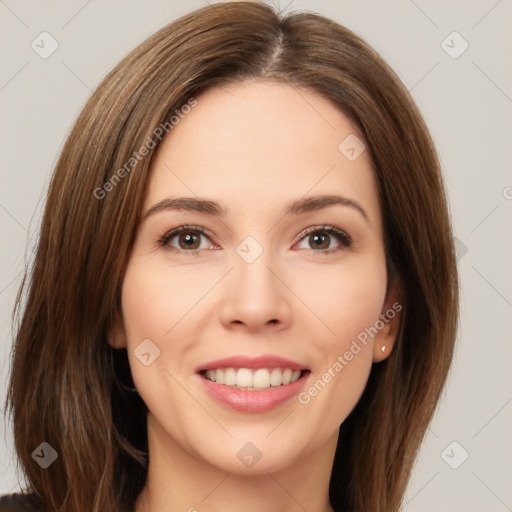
<point x="390" y="321"/>
<point x="383" y="344"/>
<point x="116" y="335"/>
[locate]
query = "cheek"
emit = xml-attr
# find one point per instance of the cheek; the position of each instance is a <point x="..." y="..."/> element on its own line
<point x="156" y="300"/>
<point x="155" y="308"/>
<point x="346" y="300"/>
<point x="160" y="304"/>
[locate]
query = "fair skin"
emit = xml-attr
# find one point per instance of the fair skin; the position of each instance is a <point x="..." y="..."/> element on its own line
<point x="254" y="148"/>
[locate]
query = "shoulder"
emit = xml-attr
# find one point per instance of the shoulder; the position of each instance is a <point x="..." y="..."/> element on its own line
<point x="20" y="503"/>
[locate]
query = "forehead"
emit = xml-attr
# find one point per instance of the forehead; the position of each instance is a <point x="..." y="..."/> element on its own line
<point x="259" y="145"/>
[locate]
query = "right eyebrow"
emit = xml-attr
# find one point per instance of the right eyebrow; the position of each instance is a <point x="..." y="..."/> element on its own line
<point x="187" y="203"/>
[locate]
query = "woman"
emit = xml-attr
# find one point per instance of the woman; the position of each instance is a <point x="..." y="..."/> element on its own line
<point x="245" y="289"/>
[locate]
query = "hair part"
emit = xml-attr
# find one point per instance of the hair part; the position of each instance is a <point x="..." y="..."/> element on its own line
<point x="68" y="387"/>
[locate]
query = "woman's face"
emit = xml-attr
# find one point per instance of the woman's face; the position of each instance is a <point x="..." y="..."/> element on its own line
<point x="276" y="280"/>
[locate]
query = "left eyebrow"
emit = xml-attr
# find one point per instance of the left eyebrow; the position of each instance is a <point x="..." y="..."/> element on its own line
<point x="314" y="203"/>
<point x="304" y="205"/>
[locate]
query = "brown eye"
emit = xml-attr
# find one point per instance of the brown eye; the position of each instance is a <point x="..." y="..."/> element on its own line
<point x="319" y="241"/>
<point x="189" y="241"/>
<point x="325" y="239"/>
<point x="186" y="240"/>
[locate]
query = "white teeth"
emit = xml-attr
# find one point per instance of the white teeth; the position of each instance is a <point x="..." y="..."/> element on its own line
<point x="244" y="378"/>
<point x="230" y="377"/>
<point x="261" y="378"/>
<point x="275" y="377"/>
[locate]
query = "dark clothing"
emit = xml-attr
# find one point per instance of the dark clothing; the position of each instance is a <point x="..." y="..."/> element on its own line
<point x="20" y="503"/>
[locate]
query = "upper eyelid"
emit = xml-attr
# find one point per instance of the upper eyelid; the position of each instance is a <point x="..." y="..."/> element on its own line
<point x="189" y="227"/>
<point x="326" y="228"/>
<point x="341" y="234"/>
<point x="172" y="233"/>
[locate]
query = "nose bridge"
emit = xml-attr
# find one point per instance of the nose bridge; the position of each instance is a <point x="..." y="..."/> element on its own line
<point x="255" y="296"/>
<point x="254" y="279"/>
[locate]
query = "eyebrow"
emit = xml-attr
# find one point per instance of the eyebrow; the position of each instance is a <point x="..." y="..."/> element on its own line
<point x="303" y="205"/>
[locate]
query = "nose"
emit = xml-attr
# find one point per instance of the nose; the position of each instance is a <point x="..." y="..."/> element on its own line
<point x="256" y="298"/>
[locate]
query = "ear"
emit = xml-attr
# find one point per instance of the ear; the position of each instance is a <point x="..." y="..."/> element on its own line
<point x="388" y="323"/>
<point x="116" y="335"/>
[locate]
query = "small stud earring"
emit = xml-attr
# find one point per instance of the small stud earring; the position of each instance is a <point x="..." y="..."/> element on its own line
<point x="383" y="348"/>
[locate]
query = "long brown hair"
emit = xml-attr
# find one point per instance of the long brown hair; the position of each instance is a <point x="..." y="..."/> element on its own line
<point x="69" y="388"/>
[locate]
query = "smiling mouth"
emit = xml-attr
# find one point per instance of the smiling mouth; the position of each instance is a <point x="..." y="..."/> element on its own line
<point x="258" y="379"/>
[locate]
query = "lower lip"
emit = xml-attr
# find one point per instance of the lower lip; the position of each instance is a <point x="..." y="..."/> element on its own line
<point x="253" y="401"/>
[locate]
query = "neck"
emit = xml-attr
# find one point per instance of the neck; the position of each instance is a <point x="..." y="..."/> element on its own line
<point x="177" y="480"/>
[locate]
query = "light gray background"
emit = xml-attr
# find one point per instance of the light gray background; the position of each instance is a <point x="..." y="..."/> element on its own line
<point x="467" y="103"/>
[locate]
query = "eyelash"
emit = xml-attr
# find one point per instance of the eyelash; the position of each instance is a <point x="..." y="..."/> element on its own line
<point x="344" y="239"/>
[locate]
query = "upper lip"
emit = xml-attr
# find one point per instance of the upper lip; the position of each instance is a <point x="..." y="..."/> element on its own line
<point x="263" y="361"/>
